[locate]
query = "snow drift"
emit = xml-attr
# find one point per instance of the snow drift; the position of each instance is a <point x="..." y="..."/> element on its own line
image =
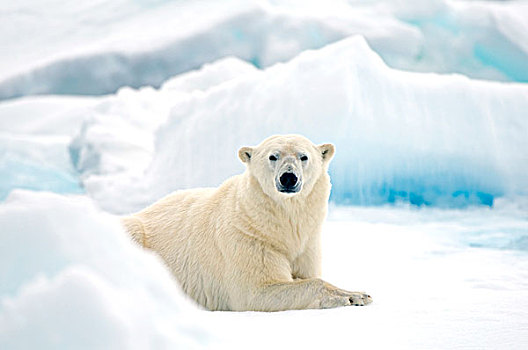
<point x="71" y="278"/>
<point x="107" y="52"/>
<point x="420" y="138"/>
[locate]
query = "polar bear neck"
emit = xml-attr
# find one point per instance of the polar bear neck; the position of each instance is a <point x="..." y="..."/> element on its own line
<point x="289" y="223"/>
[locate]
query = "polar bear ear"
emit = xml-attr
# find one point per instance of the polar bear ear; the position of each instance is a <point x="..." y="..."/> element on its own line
<point x="327" y="151"/>
<point x="245" y="154"/>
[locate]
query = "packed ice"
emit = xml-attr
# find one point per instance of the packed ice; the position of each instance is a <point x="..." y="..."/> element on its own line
<point x="34" y="137"/>
<point x="107" y="52"/>
<point x="426" y="139"/>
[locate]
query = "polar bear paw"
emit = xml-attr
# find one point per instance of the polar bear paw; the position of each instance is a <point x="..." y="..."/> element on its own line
<point x="359" y="299"/>
<point x="339" y="297"/>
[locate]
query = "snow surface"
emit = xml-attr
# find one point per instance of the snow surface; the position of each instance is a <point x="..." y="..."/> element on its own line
<point x="70" y="278"/>
<point x="421" y="138"/>
<point x="430" y="290"/>
<point x="96" y="47"/>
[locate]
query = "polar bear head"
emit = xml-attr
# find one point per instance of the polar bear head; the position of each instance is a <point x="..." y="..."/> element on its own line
<point x="287" y="165"/>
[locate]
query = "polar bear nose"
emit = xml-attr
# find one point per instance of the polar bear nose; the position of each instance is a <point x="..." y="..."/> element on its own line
<point x="288" y="180"/>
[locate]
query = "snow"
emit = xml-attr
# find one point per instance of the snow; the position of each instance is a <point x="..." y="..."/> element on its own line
<point x="430" y="289"/>
<point x="421" y="138"/>
<point x="70" y="278"/>
<point x="97" y="48"/>
<point x="425" y="100"/>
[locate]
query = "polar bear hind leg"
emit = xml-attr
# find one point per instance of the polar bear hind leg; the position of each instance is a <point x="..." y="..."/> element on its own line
<point x="135" y="228"/>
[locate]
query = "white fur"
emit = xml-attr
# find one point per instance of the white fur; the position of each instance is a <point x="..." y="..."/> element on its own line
<point x="245" y="245"/>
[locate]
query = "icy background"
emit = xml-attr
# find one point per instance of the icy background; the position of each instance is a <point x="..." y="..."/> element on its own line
<point x="112" y="104"/>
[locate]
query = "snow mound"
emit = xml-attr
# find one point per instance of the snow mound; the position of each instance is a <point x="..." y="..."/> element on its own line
<point x="144" y="43"/>
<point x="421" y="138"/>
<point x="118" y="135"/>
<point x="71" y="278"/>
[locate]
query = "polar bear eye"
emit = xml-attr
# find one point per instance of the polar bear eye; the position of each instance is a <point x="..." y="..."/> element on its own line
<point x="272" y="158"/>
<point x="304" y="158"/>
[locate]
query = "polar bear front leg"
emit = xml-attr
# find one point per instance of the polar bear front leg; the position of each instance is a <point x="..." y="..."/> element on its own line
<point x="305" y="294"/>
<point x="263" y="280"/>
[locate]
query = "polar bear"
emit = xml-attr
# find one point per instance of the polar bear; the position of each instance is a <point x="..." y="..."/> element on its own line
<point x="254" y="242"/>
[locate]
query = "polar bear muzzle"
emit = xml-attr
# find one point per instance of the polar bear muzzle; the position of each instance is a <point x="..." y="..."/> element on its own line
<point x="288" y="182"/>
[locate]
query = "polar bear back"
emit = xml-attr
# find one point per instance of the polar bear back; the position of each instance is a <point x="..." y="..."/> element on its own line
<point x="182" y="229"/>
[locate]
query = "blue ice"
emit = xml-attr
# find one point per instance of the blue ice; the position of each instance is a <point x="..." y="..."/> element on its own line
<point x="24" y="174"/>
